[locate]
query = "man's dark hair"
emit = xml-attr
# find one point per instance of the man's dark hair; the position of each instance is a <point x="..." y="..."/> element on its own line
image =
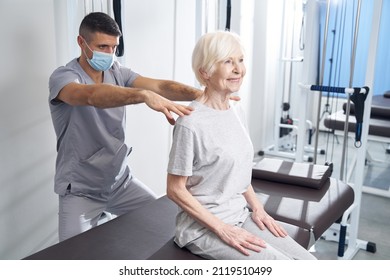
<point x="98" y="22"/>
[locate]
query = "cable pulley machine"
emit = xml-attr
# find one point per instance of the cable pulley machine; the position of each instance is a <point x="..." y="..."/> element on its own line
<point x="358" y="96"/>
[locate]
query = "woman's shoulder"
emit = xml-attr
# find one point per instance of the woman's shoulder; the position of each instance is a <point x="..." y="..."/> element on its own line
<point x="198" y="110"/>
<point x="192" y="120"/>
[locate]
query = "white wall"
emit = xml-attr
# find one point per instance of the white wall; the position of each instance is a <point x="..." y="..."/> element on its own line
<point x="28" y="206"/>
<point x="159" y="37"/>
<point x="266" y="42"/>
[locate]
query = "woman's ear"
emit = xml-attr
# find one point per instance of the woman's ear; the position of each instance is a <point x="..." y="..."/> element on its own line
<point x="204" y="74"/>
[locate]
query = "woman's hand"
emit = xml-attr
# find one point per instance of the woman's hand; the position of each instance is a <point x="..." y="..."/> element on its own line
<point x="263" y="220"/>
<point x="260" y="216"/>
<point x="240" y="239"/>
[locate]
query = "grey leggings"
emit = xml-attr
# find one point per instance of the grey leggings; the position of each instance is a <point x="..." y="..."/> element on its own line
<point x="209" y="246"/>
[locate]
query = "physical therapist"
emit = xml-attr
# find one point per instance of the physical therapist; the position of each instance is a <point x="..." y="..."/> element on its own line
<point x="87" y="103"/>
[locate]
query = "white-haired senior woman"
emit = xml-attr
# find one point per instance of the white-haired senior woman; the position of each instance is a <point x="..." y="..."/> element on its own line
<point x="210" y="165"/>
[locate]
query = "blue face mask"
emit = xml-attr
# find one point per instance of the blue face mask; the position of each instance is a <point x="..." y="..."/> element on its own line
<point x="100" y="61"/>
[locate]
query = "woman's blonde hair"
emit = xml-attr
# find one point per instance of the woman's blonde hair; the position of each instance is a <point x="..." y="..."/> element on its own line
<point x="211" y="48"/>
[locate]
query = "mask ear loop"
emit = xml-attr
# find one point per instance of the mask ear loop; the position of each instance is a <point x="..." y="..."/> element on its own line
<point x="85" y="41"/>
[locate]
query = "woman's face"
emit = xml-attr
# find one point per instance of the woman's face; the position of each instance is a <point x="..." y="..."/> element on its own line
<point x="227" y="75"/>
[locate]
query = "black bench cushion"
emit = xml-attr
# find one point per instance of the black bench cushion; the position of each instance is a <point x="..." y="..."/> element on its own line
<point x="170" y="251"/>
<point x="146" y="233"/>
<point x="292" y="173"/>
<point x="377" y="127"/>
<point x="307" y="208"/>
<point x="380" y="107"/>
<point x="133" y="236"/>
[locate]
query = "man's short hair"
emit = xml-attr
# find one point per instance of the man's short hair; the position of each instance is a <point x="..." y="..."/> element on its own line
<point x="98" y="22"/>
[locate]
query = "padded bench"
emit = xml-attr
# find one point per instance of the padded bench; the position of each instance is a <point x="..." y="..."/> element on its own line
<point x="170" y="251"/>
<point x="306" y="208"/>
<point x="380" y="107"/>
<point x="147" y="232"/>
<point x="136" y="235"/>
<point x="377" y="127"/>
<point x="379" y="124"/>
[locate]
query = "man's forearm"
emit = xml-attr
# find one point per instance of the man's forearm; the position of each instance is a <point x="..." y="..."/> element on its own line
<point x="108" y="96"/>
<point x="178" y="92"/>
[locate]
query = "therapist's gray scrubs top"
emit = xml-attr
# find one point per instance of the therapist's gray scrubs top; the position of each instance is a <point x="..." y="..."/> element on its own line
<point x="91" y="149"/>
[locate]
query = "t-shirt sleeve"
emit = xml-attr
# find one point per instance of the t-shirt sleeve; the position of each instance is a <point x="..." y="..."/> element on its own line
<point x="181" y="156"/>
<point x="128" y="75"/>
<point x="241" y="115"/>
<point x="60" y="78"/>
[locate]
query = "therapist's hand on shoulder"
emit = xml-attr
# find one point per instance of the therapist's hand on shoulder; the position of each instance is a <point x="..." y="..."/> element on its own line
<point x="235" y="98"/>
<point x="165" y="106"/>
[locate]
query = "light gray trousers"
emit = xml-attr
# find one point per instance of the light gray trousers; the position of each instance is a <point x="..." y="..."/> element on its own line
<point x="81" y="212"/>
<point x="210" y="246"/>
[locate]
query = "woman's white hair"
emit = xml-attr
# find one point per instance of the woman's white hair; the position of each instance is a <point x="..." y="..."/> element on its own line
<point x="211" y="48"/>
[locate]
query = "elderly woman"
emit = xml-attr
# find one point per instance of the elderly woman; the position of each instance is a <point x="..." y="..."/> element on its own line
<point x="210" y="165"/>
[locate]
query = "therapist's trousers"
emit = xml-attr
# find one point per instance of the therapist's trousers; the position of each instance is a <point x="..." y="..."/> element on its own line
<point x="81" y="212"/>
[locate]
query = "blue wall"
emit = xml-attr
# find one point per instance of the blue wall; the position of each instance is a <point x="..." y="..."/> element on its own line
<point x="340" y="40"/>
<point x="382" y="70"/>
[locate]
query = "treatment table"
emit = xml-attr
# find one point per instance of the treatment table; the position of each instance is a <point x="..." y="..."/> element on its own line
<point x="379" y="126"/>
<point x="147" y="232"/>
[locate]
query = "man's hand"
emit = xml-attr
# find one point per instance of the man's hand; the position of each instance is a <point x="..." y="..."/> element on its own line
<point x="165" y="106"/>
<point x="235" y="98"/>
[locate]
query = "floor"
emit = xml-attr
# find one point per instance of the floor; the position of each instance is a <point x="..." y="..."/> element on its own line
<point x="374" y="221"/>
<point x="374" y="226"/>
